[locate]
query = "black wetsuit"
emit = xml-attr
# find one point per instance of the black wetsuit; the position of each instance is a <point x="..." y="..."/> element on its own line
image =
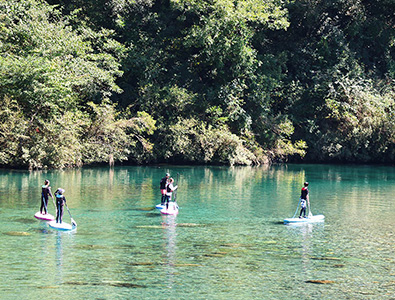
<point x="163" y="183"/>
<point x="60" y="200"/>
<point x="45" y="192"/>
<point x="303" y="200"/>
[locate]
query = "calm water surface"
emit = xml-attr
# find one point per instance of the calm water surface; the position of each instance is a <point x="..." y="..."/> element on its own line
<point x="227" y="242"/>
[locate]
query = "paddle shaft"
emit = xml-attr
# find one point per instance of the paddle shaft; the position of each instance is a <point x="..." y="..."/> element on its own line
<point x="175" y="192"/>
<point x="297" y="207"/>
<point x="310" y="213"/>
<point x="71" y="218"/>
<point x="53" y="201"/>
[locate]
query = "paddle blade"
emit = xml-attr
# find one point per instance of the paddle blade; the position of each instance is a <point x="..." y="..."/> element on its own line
<point x="74" y="223"/>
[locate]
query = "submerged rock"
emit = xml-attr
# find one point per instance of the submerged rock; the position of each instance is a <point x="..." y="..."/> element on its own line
<point x="17" y="233"/>
<point x="142" y="264"/>
<point x="232" y="245"/>
<point x="189" y="225"/>
<point x="320" y="281"/>
<point x="123" y="284"/>
<point x="215" y="254"/>
<point x="90" y="247"/>
<point x="26" y="220"/>
<point x="108" y="283"/>
<point x="187" y="265"/>
<point x="325" y="258"/>
<point x="152" y="215"/>
<point x="150" y="226"/>
<point x="145" y="209"/>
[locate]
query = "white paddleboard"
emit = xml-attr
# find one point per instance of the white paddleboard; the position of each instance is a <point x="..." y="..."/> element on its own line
<point x="61" y="226"/>
<point x="45" y="217"/>
<point x="310" y="219"/>
<point x="162" y="206"/>
<point x="172" y="210"/>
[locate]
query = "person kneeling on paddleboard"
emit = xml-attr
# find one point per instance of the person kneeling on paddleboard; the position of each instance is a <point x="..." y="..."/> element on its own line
<point x="163" y="183"/>
<point x="60" y="201"/>
<point x="169" y="191"/>
<point x="304" y="199"/>
<point x="45" y="191"/>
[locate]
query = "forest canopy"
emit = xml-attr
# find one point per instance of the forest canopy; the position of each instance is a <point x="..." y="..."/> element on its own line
<point x="196" y="81"/>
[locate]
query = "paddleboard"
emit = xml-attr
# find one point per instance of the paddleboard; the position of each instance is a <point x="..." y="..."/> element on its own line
<point x="162" y="206"/>
<point x="310" y="219"/>
<point x="45" y="217"/>
<point x="172" y="210"/>
<point x="61" y="226"/>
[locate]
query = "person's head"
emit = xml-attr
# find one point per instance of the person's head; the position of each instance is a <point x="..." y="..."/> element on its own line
<point x="171" y="180"/>
<point x="46" y="182"/>
<point x="306" y="184"/>
<point x="60" y="191"/>
<point x="167" y="175"/>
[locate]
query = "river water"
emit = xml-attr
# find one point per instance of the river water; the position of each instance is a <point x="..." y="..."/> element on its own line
<point x="227" y="242"/>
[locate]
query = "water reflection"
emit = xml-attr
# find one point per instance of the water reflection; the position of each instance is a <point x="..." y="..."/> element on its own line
<point x="169" y="225"/>
<point x="62" y="242"/>
<point x="308" y="236"/>
<point x="59" y="257"/>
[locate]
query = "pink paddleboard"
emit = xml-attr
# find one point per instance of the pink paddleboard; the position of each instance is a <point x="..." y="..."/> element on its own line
<point x="46" y="217"/>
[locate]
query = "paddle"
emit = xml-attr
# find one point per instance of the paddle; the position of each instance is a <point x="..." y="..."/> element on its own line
<point x="297" y="207"/>
<point x="310" y="213"/>
<point x="53" y="201"/>
<point x="175" y="192"/>
<point x="72" y="220"/>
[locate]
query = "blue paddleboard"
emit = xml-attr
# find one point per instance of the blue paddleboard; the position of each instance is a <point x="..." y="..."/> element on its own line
<point x="61" y="226"/>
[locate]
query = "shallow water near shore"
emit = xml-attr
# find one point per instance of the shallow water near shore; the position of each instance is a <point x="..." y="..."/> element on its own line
<point x="227" y="242"/>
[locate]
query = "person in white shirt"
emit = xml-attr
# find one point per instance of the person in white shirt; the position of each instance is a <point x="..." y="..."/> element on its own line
<point x="169" y="191"/>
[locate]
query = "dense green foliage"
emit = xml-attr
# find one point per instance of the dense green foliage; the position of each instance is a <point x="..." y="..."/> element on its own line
<point x="201" y="81"/>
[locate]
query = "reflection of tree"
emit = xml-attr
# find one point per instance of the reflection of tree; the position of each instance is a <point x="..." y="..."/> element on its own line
<point x="169" y="226"/>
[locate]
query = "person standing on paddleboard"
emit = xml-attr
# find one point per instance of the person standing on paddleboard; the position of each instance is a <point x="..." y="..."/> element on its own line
<point x="163" y="183"/>
<point x="45" y="192"/>
<point x="304" y="200"/>
<point x="169" y="191"/>
<point x="60" y="201"/>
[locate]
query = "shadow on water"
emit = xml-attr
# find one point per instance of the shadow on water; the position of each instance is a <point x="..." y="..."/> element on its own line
<point x="25" y="220"/>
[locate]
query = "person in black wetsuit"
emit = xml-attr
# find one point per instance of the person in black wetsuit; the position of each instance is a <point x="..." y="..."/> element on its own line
<point x="60" y="201"/>
<point x="163" y="183"/>
<point x="45" y="192"/>
<point x="304" y="199"/>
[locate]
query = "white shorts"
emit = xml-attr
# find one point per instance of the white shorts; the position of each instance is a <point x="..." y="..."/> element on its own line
<point x="302" y="203"/>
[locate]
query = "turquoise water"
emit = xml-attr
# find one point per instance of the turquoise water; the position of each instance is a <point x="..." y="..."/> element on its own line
<point x="227" y="242"/>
